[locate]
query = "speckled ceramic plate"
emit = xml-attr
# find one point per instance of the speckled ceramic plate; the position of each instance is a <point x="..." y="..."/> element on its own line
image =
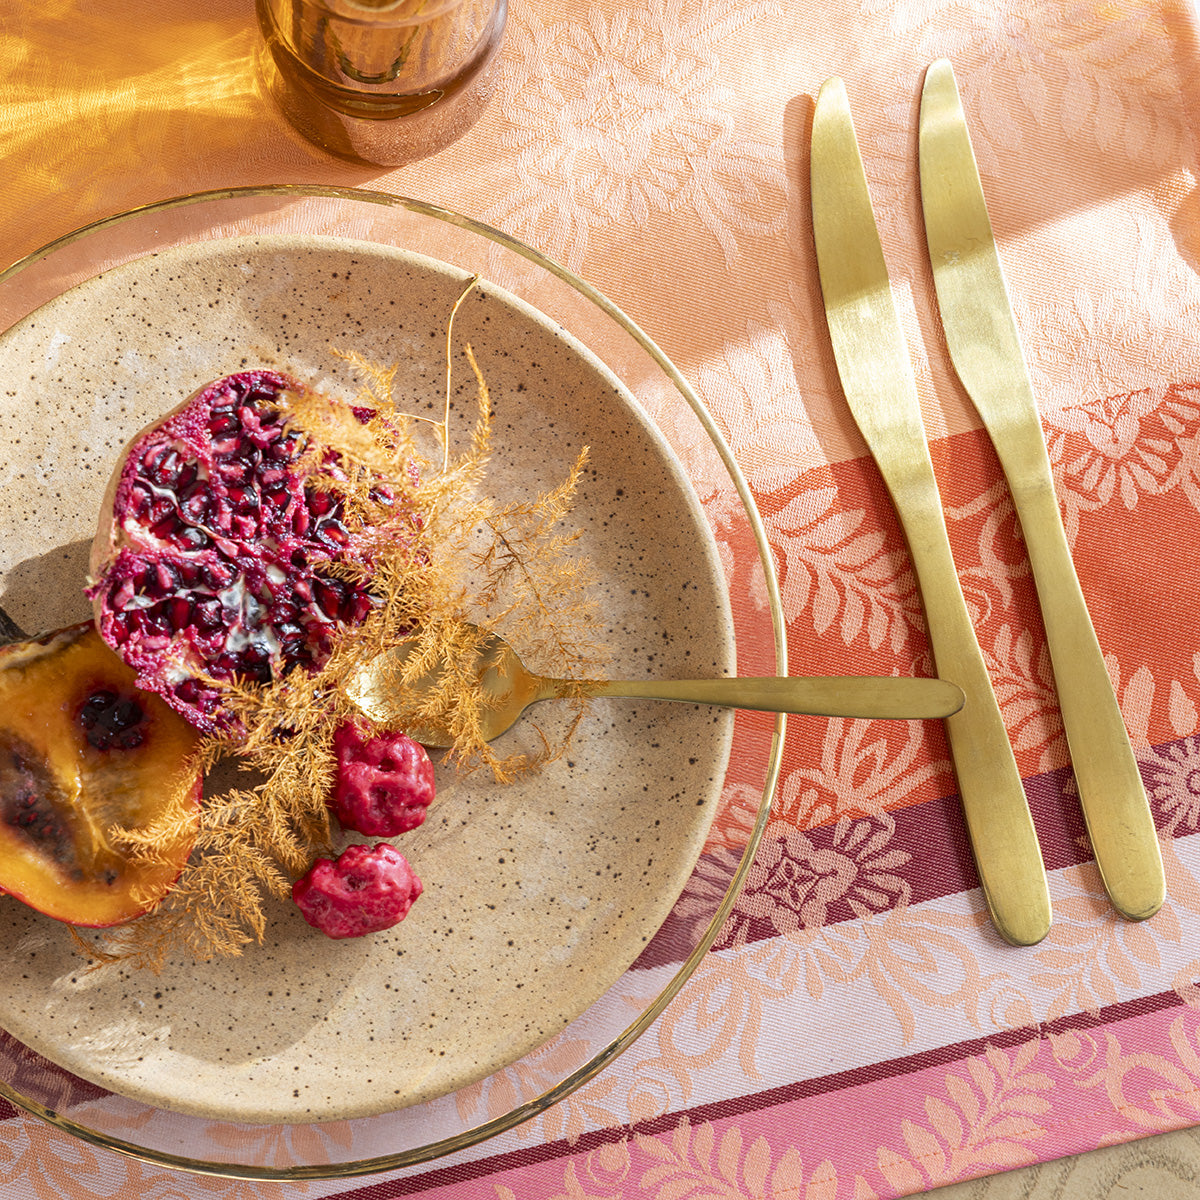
<point x="539" y="894"/>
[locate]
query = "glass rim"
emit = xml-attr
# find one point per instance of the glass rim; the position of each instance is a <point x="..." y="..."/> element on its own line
<point x="627" y="1037"/>
<point x="394" y="14"/>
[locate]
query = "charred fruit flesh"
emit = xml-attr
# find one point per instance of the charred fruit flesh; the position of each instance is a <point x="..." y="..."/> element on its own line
<point x="83" y="753"/>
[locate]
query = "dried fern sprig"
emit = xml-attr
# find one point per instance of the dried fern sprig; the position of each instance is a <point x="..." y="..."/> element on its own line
<point x="436" y="589"/>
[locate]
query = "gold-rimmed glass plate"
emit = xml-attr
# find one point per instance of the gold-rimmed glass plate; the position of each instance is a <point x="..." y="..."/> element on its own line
<point x="562" y="913"/>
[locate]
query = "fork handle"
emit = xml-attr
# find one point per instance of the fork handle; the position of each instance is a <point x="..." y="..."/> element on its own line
<point x="1111" y="794"/>
<point x="867" y="696"/>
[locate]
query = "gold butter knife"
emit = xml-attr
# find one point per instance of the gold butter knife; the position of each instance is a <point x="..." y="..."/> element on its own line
<point x="985" y="348"/>
<point x="880" y="388"/>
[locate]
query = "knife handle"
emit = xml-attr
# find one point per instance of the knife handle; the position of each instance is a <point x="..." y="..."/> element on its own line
<point x="1111" y="794"/>
<point x="992" y="795"/>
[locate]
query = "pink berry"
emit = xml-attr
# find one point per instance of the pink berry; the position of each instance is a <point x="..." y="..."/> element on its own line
<point x="365" y="890"/>
<point x="385" y="781"/>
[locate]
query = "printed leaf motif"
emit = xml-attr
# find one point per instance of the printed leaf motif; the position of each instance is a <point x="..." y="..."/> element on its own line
<point x="1023" y="679"/>
<point x="986" y="1122"/>
<point x="861" y="768"/>
<point x="699" y="1165"/>
<point x="1090" y="956"/>
<point x="843" y="573"/>
<point x="909" y="957"/>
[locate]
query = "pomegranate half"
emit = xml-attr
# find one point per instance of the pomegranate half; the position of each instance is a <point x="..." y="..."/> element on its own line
<point x="213" y="556"/>
<point x="84" y="752"/>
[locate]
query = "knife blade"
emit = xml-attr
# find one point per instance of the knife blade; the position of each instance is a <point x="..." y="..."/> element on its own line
<point x="880" y="388"/>
<point x="985" y="348"/>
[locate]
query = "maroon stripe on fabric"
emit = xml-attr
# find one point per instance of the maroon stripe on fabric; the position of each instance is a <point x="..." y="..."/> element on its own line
<point x="463" y="1173"/>
<point x="850" y="869"/>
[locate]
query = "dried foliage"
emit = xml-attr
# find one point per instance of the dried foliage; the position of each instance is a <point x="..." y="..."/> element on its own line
<point x="448" y="564"/>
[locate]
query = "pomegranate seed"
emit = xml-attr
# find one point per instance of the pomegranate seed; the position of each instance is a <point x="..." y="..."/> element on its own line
<point x="319" y="502"/>
<point x="194" y="539"/>
<point x="207" y="615"/>
<point x="165" y="527"/>
<point x="328" y="595"/>
<point x="333" y="533"/>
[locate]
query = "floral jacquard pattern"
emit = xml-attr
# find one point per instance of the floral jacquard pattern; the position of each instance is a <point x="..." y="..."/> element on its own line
<point x="749" y="387"/>
<point x="696" y="1163"/>
<point x="859" y="768"/>
<point x="805" y="881"/>
<point x="989" y="1118"/>
<point x="843" y="573"/>
<point x="638" y="129"/>
<point x="1172" y="778"/>
<point x="1124" y="447"/>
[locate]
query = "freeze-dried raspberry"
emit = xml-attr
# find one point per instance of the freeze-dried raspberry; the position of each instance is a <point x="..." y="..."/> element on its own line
<point x="385" y="781"/>
<point x="366" y="889"/>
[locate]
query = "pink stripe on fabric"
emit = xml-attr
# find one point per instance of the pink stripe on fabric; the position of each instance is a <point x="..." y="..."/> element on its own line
<point x="932" y="1118"/>
<point x="1092" y="1080"/>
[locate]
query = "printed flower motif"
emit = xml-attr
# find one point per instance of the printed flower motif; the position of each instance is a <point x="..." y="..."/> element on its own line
<point x="694" y="909"/>
<point x="1092" y="958"/>
<point x="1171" y="774"/>
<point x="751" y="391"/>
<point x="1119" y="446"/>
<point x="806" y="880"/>
<point x="601" y="1174"/>
<point x="1150" y="1091"/>
<point x="636" y="128"/>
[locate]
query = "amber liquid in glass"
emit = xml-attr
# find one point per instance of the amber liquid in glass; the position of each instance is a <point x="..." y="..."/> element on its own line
<point x="383" y="82"/>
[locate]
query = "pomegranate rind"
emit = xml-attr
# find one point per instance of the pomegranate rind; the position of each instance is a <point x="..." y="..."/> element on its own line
<point x="210" y="558"/>
<point x="64" y="863"/>
<point x="364" y="890"/>
<point x="385" y="781"/>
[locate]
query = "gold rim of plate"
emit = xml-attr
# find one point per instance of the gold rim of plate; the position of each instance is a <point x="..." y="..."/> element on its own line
<point x="605" y="1056"/>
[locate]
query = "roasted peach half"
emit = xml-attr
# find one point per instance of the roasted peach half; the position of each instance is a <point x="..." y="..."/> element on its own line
<point x="84" y="753"/>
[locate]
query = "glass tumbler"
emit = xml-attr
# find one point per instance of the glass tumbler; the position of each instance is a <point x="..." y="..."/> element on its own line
<point x="381" y="81"/>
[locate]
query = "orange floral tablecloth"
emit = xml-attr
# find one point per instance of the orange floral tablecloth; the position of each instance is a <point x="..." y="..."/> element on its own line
<point x="858" y="1031"/>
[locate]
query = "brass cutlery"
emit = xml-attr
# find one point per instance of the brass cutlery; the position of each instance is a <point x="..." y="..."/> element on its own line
<point x="985" y="348"/>
<point x="880" y="388"/>
<point x="507" y="688"/>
